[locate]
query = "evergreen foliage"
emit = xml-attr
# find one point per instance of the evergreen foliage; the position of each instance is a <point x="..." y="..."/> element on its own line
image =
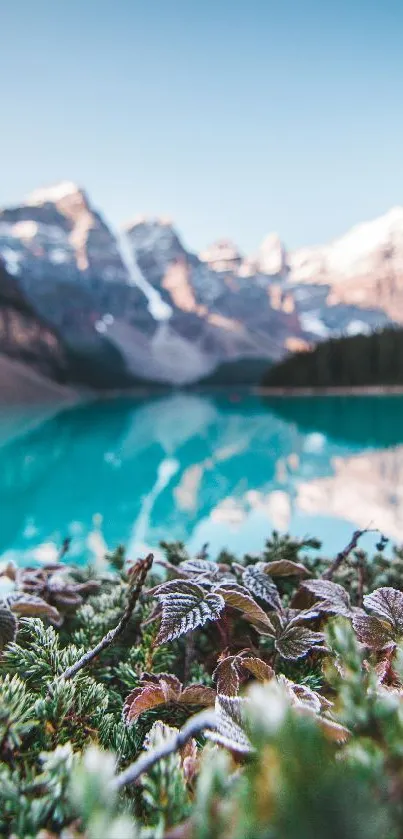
<point x="350" y="361"/>
<point x="259" y="698"/>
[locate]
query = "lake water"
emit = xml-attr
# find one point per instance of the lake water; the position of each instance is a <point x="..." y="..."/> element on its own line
<point x="224" y="469"/>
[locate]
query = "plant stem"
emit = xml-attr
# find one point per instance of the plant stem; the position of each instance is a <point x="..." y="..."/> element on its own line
<point x="335" y="565"/>
<point x="197" y="723"/>
<point x="138" y="575"/>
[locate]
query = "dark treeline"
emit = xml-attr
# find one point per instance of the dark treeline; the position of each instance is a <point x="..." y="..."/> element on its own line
<point x="359" y="360"/>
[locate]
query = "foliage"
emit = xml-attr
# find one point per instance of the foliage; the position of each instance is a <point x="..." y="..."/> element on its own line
<point x="348" y="361"/>
<point x="296" y="661"/>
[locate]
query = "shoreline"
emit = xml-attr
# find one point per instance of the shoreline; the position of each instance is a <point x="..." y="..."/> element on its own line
<point x="362" y="391"/>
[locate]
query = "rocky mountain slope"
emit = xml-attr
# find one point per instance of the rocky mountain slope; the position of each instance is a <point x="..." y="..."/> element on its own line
<point x="142" y="307"/>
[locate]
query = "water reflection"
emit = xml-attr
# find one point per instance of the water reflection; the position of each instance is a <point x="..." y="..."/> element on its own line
<point x="199" y="468"/>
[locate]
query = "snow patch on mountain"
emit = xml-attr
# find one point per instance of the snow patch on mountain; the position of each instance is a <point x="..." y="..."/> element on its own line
<point x="53" y="193"/>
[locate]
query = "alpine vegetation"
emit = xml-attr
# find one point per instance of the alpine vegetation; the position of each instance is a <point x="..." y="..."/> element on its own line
<point x="187" y="698"/>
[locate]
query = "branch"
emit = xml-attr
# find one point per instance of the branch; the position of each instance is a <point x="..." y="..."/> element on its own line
<point x="335" y="565"/>
<point x="196" y="724"/>
<point x="137" y="578"/>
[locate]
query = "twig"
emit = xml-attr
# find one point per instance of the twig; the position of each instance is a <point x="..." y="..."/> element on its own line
<point x="138" y="574"/>
<point x="335" y="565"/>
<point x="361" y="576"/>
<point x="199" y="722"/>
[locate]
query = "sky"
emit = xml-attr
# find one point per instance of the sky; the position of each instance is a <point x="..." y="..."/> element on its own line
<point x="233" y="118"/>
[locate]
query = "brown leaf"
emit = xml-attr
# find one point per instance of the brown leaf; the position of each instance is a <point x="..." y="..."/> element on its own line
<point x="333" y="730"/>
<point x="140" y="700"/>
<point x="30" y="606"/>
<point x="8" y="626"/>
<point x="238" y="599"/>
<point x="226" y="676"/>
<point x="285" y="568"/>
<point x="374" y="633"/>
<point x="164" y="689"/>
<point x="198" y="695"/>
<point x="258" y="668"/>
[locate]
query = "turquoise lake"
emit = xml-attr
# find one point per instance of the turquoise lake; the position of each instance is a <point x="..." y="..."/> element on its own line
<point x="225" y="469"/>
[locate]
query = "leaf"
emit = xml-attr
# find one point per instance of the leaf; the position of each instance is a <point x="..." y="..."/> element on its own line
<point x="164" y="689"/>
<point x="333" y="730"/>
<point x="197" y="567"/>
<point x="140" y="700"/>
<point x="334" y="597"/>
<point x="185" y="606"/>
<point x="258" y="668"/>
<point x="285" y="568"/>
<point x="226" y="676"/>
<point x="373" y="632"/>
<point x="228" y="672"/>
<point x="230" y="731"/>
<point x="260" y="584"/>
<point x="198" y="695"/>
<point x="240" y="599"/>
<point x="28" y="605"/>
<point x="387" y="603"/>
<point x="297" y="641"/>
<point x="8" y="625"/>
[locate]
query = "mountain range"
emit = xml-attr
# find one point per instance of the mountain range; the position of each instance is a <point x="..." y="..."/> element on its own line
<point x="81" y="304"/>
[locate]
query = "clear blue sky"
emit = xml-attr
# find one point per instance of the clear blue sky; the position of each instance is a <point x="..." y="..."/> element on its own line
<point x="233" y="117"/>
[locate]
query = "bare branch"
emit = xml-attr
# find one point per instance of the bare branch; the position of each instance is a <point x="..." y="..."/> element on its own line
<point x="138" y="575"/>
<point x="335" y="565"/>
<point x="196" y="724"/>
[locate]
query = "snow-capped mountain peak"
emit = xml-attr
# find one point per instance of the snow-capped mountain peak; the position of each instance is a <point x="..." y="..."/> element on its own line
<point x="354" y="253"/>
<point x="53" y="194"/>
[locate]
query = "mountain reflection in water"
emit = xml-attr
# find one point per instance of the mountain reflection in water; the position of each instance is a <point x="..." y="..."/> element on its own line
<point x="199" y="468"/>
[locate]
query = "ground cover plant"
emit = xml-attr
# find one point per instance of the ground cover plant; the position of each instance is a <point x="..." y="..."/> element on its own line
<point x="253" y="698"/>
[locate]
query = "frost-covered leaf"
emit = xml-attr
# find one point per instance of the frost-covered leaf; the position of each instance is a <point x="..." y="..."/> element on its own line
<point x="301" y="695"/>
<point x="226" y="676"/>
<point x="285" y="568"/>
<point x="8" y="625"/>
<point x="31" y="606"/>
<point x="200" y="567"/>
<point x="374" y="633"/>
<point x="239" y="598"/>
<point x="164" y="689"/>
<point x="257" y="667"/>
<point x="296" y="642"/>
<point x="198" y="695"/>
<point x="333" y="597"/>
<point x="259" y="583"/>
<point x="387" y="603"/>
<point x="185" y="606"/>
<point x="230" y="731"/>
<point x="140" y="700"/>
<point x="229" y="671"/>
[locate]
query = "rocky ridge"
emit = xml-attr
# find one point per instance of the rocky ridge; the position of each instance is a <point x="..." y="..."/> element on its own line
<point x="166" y="315"/>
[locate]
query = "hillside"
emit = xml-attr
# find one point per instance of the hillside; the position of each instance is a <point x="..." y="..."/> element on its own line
<point x="355" y="361"/>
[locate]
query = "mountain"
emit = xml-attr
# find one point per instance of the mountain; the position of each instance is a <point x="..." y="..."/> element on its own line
<point x="139" y="307"/>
